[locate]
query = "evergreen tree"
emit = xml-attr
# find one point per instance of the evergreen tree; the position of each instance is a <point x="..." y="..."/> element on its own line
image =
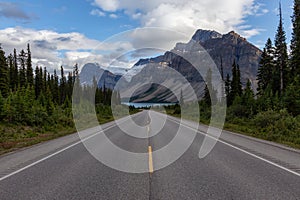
<point x="235" y="84"/>
<point x="22" y="59"/>
<point x="266" y="68"/>
<point x="49" y="81"/>
<point x="44" y="80"/>
<point x="37" y="82"/>
<point x="4" y="81"/>
<point x="49" y="106"/>
<point x="105" y="95"/>
<point x="16" y="70"/>
<point x="281" y="57"/>
<point x="2" y="101"/>
<point x="248" y="100"/>
<point x="227" y="88"/>
<point x="222" y="69"/>
<point x="292" y="97"/>
<point x="11" y="72"/>
<point x="77" y="86"/>
<point x="208" y="88"/>
<point x="55" y="92"/>
<point x="238" y="81"/>
<point x="29" y="70"/>
<point x="62" y="86"/>
<point x="295" y="43"/>
<point x="70" y="83"/>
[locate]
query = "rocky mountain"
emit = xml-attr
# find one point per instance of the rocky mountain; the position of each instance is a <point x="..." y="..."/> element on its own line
<point x="91" y="70"/>
<point x="161" y="72"/>
<point x="221" y="48"/>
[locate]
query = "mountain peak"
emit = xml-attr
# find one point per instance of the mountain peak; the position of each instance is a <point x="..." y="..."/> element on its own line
<point x="234" y="35"/>
<point x="204" y="35"/>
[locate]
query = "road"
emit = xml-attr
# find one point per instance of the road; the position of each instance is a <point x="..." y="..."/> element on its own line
<point x="238" y="167"/>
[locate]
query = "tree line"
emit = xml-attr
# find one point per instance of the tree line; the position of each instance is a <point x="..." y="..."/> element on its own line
<point x="36" y="97"/>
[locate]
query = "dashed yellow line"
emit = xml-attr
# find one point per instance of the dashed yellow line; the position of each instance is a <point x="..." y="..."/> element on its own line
<point x="150" y="160"/>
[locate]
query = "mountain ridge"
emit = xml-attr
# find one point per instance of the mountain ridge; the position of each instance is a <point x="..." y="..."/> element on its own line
<point x="222" y="48"/>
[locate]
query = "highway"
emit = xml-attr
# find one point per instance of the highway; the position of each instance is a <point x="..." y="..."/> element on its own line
<point x="238" y="167"/>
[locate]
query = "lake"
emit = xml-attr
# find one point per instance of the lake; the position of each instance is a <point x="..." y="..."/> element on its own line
<point x="141" y="105"/>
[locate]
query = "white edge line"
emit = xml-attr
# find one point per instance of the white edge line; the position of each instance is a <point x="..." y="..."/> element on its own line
<point x="242" y="150"/>
<point x="53" y="154"/>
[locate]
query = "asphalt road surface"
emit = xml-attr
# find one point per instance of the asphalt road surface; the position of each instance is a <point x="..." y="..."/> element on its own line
<point x="238" y="167"/>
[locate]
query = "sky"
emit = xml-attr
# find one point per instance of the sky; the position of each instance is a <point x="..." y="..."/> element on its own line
<point x="65" y="32"/>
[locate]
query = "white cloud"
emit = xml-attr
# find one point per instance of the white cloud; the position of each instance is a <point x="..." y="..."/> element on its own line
<point x="97" y="12"/>
<point x="49" y="49"/>
<point x="114" y="16"/>
<point x="189" y="15"/>
<point x="110" y="5"/>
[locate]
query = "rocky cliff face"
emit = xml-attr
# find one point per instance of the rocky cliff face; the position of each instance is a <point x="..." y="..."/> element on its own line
<point x="232" y="47"/>
<point x="91" y="70"/>
<point x="221" y="48"/>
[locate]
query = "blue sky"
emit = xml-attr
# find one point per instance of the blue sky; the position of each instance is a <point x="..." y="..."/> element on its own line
<point x="67" y="30"/>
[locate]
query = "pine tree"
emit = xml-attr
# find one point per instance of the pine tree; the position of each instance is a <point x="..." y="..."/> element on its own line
<point x="45" y="80"/>
<point x="29" y="70"/>
<point x="227" y="88"/>
<point x="37" y="82"/>
<point x="208" y="88"/>
<point x="16" y="71"/>
<point x="2" y="101"/>
<point x="49" y="81"/>
<point x="292" y="97"/>
<point x="62" y="86"/>
<point x="70" y="84"/>
<point x="248" y="100"/>
<point x="48" y="101"/>
<point x="55" y="92"/>
<point x="4" y="81"/>
<point x="222" y="69"/>
<point x="77" y="87"/>
<point x="42" y="83"/>
<point x="281" y="57"/>
<point x="105" y="95"/>
<point x="235" y="85"/>
<point x="11" y="72"/>
<point x="238" y="81"/>
<point x="266" y="68"/>
<point x="295" y="43"/>
<point x="22" y="59"/>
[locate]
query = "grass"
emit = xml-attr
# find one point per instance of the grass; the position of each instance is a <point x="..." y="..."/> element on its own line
<point x="14" y="137"/>
<point x="275" y="126"/>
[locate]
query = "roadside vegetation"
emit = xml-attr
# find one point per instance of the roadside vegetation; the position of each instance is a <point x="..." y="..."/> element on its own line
<point x="36" y="106"/>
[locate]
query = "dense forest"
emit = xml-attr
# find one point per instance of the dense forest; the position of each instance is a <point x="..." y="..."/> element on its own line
<point x="36" y="105"/>
<point x="273" y="113"/>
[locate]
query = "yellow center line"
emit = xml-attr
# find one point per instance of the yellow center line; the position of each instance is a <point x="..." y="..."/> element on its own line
<point x="150" y="160"/>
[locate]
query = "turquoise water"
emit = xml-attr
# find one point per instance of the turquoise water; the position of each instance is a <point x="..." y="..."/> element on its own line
<point x="141" y="105"/>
